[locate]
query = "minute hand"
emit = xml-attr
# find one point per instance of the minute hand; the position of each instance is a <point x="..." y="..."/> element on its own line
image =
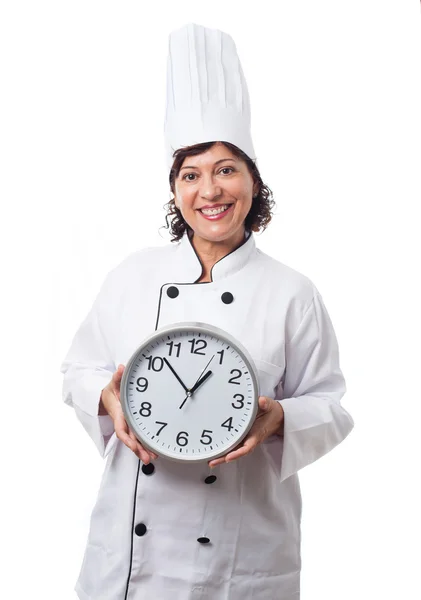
<point x="176" y="375"/>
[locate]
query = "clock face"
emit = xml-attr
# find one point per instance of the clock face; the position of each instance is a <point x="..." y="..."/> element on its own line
<point x="190" y="392"/>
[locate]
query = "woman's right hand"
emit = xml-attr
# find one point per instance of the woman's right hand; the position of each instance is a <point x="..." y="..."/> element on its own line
<point x="110" y="403"/>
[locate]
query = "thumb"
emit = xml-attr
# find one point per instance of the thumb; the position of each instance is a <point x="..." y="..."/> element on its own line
<point x="118" y="375"/>
<point x="264" y="404"/>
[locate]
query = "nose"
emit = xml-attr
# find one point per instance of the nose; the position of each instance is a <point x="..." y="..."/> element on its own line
<point x="209" y="190"/>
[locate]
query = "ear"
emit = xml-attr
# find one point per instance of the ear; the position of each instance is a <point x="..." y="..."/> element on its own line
<point x="256" y="189"/>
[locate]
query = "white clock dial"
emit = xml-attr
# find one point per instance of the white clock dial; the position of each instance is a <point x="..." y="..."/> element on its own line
<point x="190" y="392"/>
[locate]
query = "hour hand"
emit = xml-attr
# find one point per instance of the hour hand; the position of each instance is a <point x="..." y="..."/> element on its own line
<point x="200" y="381"/>
<point x="186" y="389"/>
<point x="196" y="385"/>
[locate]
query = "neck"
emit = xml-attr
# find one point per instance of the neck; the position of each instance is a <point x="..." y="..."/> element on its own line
<point x="209" y="252"/>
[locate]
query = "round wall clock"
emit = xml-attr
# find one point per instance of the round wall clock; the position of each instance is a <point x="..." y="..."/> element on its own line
<point x="190" y="392"/>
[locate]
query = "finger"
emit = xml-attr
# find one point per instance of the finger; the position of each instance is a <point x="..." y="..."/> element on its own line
<point x="113" y="406"/>
<point x="143" y="453"/>
<point x="139" y="450"/>
<point x="123" y="433"/>
<point x="135" y="443"/>
<point x="221" y="459"/>
<point x="256" y="435"/>
<point x="218" y="461"/>
<point x="116" y="379"/>
<point x="264" y="404"/>
<point x="247" y="447"/>
<point x="262" y="408"/>
<point x="117" y="375"/>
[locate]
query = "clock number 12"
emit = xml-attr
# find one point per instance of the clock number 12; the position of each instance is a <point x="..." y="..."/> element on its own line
<point x="196" y="347"/>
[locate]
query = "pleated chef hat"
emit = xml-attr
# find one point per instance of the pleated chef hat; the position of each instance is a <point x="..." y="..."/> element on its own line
<point x="207" y="95"/>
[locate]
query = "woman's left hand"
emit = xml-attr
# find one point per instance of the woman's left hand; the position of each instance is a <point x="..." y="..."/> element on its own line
<point x="269" y="421"/>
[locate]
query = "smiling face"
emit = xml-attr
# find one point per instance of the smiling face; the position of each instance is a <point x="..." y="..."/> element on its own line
<point x="216" y="179"/>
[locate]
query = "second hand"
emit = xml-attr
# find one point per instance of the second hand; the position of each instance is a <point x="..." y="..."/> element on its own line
<point x="188" y="391"/>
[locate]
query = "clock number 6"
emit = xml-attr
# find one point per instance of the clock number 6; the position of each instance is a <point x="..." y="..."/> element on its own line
<point x="182" y="438"/>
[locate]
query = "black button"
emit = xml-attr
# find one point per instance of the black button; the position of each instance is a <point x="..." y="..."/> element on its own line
<point x="203" y="540"/>
<point x="210" y="479"/>
<point x="148" y="469"/>
<point x="172" y="292"/>
<point x="227" y="297"/>
<point x="140" y="529"/>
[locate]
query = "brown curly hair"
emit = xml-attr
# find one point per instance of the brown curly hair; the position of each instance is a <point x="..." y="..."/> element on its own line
<point x="260" y="213"/>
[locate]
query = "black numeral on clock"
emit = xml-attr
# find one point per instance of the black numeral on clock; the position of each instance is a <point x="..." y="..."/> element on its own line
<point x="206" y="435"/>
<point x="145" y="409"/>
<point x="197" y="346"/>
<point x="238" y="403"/>
<point x="155" y="363"/>
<point x="142" y="385"/>
<point x="232" y="380"/>
<point x="173" y="345"/>
<point x="182" y="438"/>
<point x="228" y="424"/>
<point x="161" y="428"/>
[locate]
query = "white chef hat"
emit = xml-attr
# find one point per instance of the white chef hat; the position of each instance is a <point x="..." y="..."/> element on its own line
<point x="207" y="95"/>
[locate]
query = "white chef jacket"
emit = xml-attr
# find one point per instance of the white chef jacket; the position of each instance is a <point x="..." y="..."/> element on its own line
<point x="146" y="522"/>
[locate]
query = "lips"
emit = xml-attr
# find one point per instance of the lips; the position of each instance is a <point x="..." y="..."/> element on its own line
<point x="216" y="207"/>
<point x="217" y="216"/>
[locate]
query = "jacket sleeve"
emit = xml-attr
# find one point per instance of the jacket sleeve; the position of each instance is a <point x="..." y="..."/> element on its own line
<point x="314" y="420"/>
<point x="87" y="368"/>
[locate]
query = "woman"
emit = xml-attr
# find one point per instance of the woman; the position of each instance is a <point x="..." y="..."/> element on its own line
<point x="229" y="529"/>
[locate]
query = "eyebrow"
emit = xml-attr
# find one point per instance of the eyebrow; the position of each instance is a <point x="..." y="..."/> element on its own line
<point x="217" y="163"/>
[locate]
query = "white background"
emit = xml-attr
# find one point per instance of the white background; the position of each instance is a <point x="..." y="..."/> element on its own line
<point x="335" y="96"/>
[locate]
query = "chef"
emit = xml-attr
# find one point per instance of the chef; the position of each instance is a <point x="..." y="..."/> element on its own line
<point x="228" y="529"/>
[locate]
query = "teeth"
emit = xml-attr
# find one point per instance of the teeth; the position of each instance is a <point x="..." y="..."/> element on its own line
<point x="214" y="211"/>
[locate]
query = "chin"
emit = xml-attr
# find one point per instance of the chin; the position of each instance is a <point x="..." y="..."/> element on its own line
<point x="218" y="234"/>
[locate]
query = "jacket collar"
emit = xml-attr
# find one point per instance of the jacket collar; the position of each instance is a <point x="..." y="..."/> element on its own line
<point x="189" y="267"/>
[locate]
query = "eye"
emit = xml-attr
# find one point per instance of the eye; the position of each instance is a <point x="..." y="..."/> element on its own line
<point x="230" y="169"/>
<point x="188" y="175"/>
